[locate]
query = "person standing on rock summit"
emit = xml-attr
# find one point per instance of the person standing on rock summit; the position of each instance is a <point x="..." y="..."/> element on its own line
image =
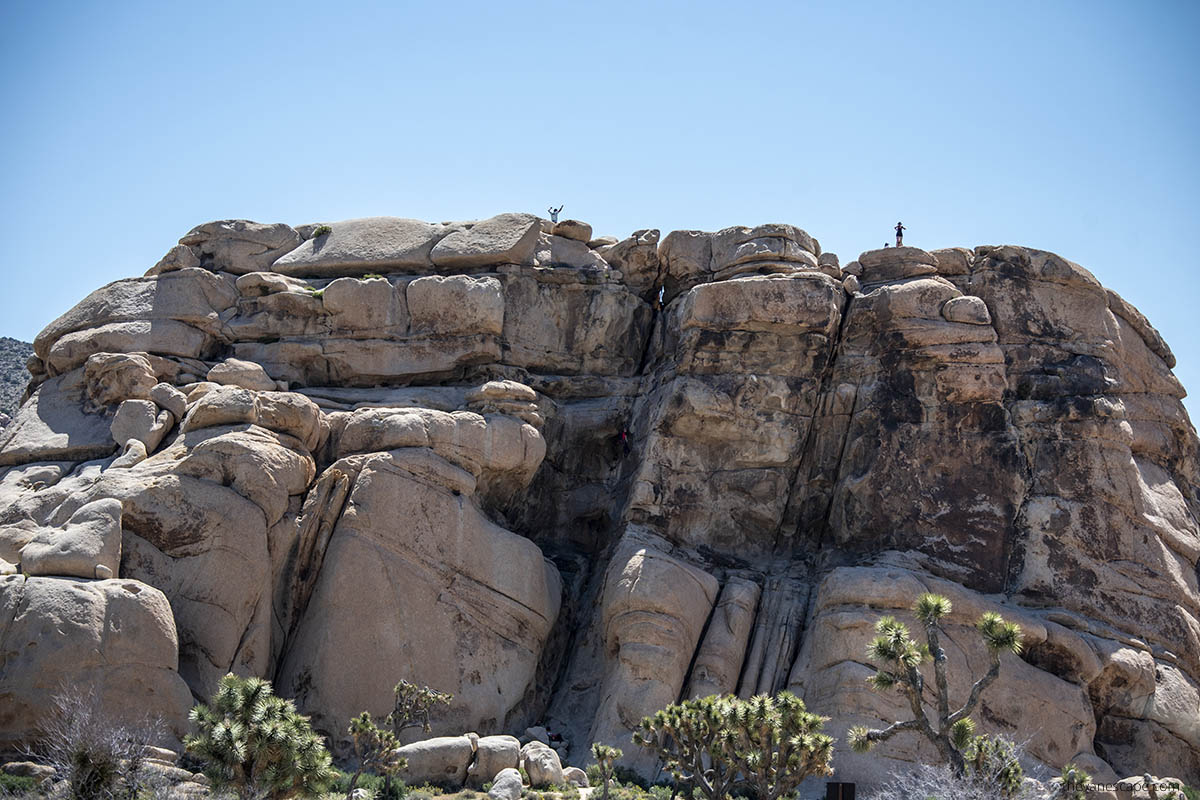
<point x="554" y="212"/>
<point x="899" y="234"/>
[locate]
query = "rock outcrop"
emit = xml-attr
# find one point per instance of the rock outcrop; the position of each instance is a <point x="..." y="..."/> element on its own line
<point x="571" y="479"/>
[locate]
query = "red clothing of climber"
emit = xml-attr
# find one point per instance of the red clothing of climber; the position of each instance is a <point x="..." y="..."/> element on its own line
<point x="899" y="234"/>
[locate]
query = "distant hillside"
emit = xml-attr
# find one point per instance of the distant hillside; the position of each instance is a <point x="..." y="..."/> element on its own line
<point x="13" y="375"/>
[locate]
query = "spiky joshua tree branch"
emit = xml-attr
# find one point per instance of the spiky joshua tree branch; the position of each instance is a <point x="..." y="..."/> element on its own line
<point x="900" y="659"/>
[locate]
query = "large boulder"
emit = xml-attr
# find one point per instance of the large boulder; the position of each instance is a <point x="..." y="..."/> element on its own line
<point x="484" y="597"/>
<point x="174" y="314"/>
<point x="114" y="377"/>
<point x="653" y="609"/>
<point x="493" y="754"/>
<point x="507" y="785"/>
<point x="239" y="246"/>
<point x="56" y="424"/>
<point x="502" y="239"/>
<point x="115" y="638"/>
<point x="690" y="258"/>
<point x="88" y="546"/>
<point x="246" y="374"/>
<point x="442" y="760"/>
<point x="141" y="420"/>
<point x="637" y="259"/>
<point x="359" y="246"/>
<point x="542" y="765"/>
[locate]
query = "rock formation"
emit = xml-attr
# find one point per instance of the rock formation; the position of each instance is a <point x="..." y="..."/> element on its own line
<point x="480" y="456"/>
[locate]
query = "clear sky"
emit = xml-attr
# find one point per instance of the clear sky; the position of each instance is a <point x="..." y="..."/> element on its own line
<point x="1067" y="126"/>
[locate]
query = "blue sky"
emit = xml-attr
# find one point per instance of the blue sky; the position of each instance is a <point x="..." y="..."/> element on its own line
<point x="1068" y="126"/>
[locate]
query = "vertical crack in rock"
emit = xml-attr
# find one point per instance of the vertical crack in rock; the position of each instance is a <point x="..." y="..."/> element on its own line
<point x="318" y="517"/>
<point x="809" y="459"/>
<point x="719" y="658"/>
<point x="776" y="637"/>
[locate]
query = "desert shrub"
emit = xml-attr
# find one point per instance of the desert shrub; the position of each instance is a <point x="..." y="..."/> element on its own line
<point x="628" y="791"/>
<point x="17" y="785"/>
<point x="900" y="658"/>
<point x="321" y="230"/>
<point x="379" y="788"/>
<point x="371" y="275"/>
<point x="994" y="760"/>
<point x="257" y="745"/>
<point x="627" y="777"/>
<point x="98" y="758"/>
<point x="941" y="782"/>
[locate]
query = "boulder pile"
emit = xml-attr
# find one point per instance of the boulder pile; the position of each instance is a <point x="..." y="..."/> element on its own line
<point x="570" y="479"/>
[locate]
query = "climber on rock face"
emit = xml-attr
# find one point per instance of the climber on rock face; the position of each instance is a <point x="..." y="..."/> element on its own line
<point x="899" y="234"/>
<point x="554" y="212"/>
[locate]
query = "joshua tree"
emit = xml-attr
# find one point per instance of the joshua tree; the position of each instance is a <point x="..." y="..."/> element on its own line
<point x="780" y="744"/>
<point x="696" y="739"/>
<point x="902" y="657"/>
<point x="413" y="704"/>
<point x="1073" y="783"/>
<point x="375" y="750"/>
<point x="411" y="709"/>
<point x="715" y="743"/>
<point x="257" y="744"/>
<point x="605" y="756"/>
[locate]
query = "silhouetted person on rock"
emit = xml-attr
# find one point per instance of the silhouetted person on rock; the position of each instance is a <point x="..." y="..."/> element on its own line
<point x="899" y="234"/>
<point x="554" y="212"/>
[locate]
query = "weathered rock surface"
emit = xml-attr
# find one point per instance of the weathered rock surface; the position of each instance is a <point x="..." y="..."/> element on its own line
<point x="493" y="754"/>
<point x="88" y="546"/>
<point x="237" y="246"/>
<point x="459" y="603"/>
<point x="507" y="786"/>
<point x="505" y="471"/>
<point x="56" y="424"/>
<point x="542" y="765"/>
<point x="359" y="246"/>
<point x="442" y="759"/>
<point x="575" y="776"/>
<point x="116" y="637"/>
<point x="503" y="239"/>
<point x="654" y="607"/>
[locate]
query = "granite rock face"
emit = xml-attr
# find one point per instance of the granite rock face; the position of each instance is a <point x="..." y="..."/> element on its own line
<point x="573" y="479"/>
